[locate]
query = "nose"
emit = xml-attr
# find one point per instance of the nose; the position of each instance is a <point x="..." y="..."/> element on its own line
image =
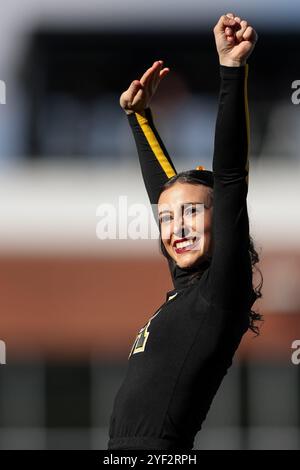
<point x="179" y="228"/>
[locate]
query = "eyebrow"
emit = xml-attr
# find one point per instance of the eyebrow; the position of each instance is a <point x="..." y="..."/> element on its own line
<point x="185" y="203"/>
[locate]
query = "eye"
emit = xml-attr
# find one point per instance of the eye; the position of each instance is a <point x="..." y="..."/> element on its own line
<point x="190" y="210"/>
<point x="194" y="209"/>
<point x="165" y="218"/>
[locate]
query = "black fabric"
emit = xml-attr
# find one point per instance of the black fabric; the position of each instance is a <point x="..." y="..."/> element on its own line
<point x="181" y="277"/>
<point x="153" y="175"/>
<point x="181" y="355"/>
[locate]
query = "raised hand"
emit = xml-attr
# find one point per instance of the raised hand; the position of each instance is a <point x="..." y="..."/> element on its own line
<point x="140" y="92"/>
<point x="235" y="40"/>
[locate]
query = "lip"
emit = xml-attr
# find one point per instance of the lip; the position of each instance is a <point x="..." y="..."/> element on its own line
<point x="180" y="240"/>
<point x="187" y="248"/>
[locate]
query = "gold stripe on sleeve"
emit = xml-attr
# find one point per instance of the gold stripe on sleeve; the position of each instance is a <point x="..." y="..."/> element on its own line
<point x="154" y="145"/>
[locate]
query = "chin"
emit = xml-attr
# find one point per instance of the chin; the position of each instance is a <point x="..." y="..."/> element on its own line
<point x="188" y="261"/>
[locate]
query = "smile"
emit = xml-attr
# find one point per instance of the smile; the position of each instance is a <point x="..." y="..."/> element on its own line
<point x="185" y="244"/>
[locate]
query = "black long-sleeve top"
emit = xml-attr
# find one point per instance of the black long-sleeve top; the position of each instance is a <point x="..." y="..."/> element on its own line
<point x="180" y="356"/>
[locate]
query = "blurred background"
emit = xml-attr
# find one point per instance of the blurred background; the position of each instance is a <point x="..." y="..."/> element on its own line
<point x="72" y="304"/>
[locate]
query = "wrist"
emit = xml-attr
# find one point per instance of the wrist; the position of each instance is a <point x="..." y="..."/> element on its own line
<point x="140" y="111"/>
<point x="232" y="63"/>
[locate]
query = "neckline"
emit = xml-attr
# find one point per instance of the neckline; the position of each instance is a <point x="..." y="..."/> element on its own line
<point x="182" y="277"/>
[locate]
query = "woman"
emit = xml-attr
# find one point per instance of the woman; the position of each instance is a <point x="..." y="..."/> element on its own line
<point x="181" y="355"/>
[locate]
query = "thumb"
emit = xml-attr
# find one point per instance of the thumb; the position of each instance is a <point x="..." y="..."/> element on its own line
<point x="128" y="96"/>
<point x="134" y="88"/>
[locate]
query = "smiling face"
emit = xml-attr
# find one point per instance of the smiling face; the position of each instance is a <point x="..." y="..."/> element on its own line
<point x="185" y="215"/>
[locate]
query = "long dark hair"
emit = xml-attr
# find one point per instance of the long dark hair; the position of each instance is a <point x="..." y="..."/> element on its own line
<point x="204" y="177"/>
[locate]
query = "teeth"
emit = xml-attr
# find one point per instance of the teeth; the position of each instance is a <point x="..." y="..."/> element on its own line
<point x="184" y="244"/>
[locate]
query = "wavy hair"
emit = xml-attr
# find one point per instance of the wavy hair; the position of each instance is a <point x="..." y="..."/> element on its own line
<point x="197" y="177"/>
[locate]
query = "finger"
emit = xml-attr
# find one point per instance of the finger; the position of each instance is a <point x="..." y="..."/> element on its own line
<point x="228" y="22"/>
<point x="240" y="33"/>
<point x="160" y="69"/>
<point x="230" y="15"/>
<point x="147" y="74"/>
<point x="156" y="68"/>
<point x="230" y="39"/>
<point x="157" y="77"/>
<point x="244" y="25"/>
<point x="134" y="87"/>
<point x="163" y="73"/>
<point x="228" y="31"/>
<point x="154" y="78"/>
<point x="250" y="34"/>
<point x="237" y="19"/>
<point x="223" y="22"/>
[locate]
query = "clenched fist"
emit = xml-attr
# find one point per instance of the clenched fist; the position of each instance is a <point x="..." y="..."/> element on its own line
<point x="235" y="40"/>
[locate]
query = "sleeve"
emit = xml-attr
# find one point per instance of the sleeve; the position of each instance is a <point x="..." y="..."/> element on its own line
<point x="155" y="162"/>
<point x="230" y="273"/>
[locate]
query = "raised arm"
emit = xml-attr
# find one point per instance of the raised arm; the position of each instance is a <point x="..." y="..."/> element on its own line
<point x="230" y="273"/>
<point x="155" y="162"/>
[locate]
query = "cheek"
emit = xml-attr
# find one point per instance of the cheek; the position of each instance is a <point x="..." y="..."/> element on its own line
<point x="208" y="221"/>
<point x="165" y="232"/>
<point x="199" y="224"/>
<point x="203" y="226"/>
<point x="208" y="233"/>
<point x="207" y="227"/>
